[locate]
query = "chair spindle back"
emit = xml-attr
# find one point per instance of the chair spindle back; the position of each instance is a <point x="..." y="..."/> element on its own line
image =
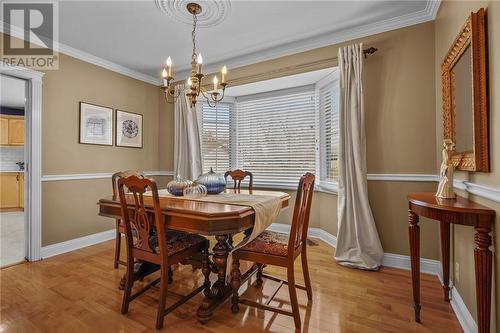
<point x="301" y="212"/>
<point x="145" y="226"/>
<point x="237" y="176"/>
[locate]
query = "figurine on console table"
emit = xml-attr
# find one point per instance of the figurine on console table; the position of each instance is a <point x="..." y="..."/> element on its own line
<point x="445" y="187"/>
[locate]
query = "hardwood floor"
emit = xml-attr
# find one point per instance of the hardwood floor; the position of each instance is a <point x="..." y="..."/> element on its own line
<point x="77" y="292"/>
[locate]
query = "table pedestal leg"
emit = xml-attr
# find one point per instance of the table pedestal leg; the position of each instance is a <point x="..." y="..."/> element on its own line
<point x="483" y="264"/>
<point x="219" y="290"/>
<point x="414" y="235"/>
<point x="445" y="254"/>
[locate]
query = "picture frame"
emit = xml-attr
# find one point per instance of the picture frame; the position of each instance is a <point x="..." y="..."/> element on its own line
<point x="128" y="129"/>
<point x="95" y="124"/>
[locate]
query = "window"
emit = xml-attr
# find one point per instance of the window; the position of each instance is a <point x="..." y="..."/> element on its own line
<point x="276" y="137"/>
<point x="215" y="133"/>
<point x="328" y="105"/>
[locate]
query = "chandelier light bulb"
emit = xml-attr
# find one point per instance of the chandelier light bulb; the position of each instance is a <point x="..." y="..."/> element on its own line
<point x="189" y="82"/>
<point x="164" y="73"/>
<point x="200" y="59"/>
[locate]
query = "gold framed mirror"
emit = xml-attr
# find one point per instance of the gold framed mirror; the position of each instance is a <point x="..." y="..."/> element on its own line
<point x="465" y="97"/>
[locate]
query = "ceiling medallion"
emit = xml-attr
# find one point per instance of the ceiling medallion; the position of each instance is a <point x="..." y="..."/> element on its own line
<point x="213" y="13"/>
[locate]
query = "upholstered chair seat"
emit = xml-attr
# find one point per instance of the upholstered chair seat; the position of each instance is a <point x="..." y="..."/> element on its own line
<point x="269" y="242"/>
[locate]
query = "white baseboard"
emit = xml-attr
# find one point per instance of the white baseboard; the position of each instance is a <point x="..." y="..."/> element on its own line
<point x="463" y="315"/>
<point x="428" y="266"/>
<point x="77" y="243"/>
<point x="312" y="232"/>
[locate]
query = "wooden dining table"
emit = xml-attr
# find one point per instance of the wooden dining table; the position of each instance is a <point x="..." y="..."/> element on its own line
<point x="207" y="219"/>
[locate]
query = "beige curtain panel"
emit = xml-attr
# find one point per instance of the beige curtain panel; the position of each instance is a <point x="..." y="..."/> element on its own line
<point x="358" y="243"/>
<point x="187" y="140"/>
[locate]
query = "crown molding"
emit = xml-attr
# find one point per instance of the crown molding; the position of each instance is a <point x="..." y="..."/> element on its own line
<point x="89" y="58"/>
<point x="322" y="39"/>
<point x="250" y="56"/>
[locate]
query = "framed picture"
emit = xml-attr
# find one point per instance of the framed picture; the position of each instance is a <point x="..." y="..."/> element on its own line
<point x="128" y="129"/>
<point x="96" y="124"/>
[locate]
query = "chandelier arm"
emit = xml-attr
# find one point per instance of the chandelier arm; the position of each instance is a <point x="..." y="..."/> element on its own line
<point x="203" y="92"/>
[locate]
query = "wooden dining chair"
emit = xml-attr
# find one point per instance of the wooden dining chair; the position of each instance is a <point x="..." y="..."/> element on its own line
<point x="120" y="229"/>
<point x="272" y="248"/>
<point x="153" y="244"/>
<point x="237" y="176"/>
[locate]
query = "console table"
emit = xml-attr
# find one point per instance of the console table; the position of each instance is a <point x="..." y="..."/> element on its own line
<point x="459" y="211"/>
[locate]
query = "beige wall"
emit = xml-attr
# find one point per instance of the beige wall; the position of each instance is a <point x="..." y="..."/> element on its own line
<point x="451" y="17"/>
<point x="69" y="207"/>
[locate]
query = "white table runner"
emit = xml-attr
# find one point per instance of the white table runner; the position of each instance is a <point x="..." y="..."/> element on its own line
<point x="266" y="208"/>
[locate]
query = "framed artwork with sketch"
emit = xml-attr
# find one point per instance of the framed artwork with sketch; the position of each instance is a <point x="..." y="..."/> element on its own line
<point x="96" y="125"/>
<point x="128" y="129"/>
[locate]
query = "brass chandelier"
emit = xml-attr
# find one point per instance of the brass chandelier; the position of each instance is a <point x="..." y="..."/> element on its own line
<point x="193" y="88"/>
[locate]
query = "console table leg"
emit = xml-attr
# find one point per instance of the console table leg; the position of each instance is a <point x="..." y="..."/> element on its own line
<point x="414" y="235"/>
<point x="445" y="253"/>
<point x="483" y="264"/>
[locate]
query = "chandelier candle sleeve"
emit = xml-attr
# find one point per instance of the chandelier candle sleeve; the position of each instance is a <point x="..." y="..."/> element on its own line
<point x="224" y="72"/>
<point x="216" y="83"/>
<point x="199" y="61"/>
<point x="169" y="66"/>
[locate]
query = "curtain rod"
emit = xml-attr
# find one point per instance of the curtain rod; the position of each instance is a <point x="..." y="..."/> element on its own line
<point x="315" y="65"/>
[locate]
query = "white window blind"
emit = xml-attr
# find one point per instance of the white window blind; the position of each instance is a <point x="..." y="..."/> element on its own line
<point x="276" y="137"/>
<point x="215" y="132"/>
<point x="328" y="102"/>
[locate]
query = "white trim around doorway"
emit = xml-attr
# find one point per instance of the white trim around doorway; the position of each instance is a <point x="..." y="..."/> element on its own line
<point x="33" y="157"/>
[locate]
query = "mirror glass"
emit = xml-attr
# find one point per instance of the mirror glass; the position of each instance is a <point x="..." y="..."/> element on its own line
<point x="462" y="106"/>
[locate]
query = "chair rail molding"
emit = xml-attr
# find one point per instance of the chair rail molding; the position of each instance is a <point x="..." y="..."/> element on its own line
<point x="100" y="175"/>
<point x="488" y="192"/>
<point x="483" y="191"/>
<point x="33" y="156"/>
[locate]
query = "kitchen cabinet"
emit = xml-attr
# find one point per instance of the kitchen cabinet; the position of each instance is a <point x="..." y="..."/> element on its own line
<point x="4" y="131"/>
<point x="12" y="190"/>
<point x="12" y="130"/>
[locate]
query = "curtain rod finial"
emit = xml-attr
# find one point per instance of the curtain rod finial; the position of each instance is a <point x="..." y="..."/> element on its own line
<point x="370" y="50"/>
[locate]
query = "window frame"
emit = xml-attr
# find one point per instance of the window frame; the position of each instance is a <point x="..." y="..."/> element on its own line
<point x="322" y="184"/>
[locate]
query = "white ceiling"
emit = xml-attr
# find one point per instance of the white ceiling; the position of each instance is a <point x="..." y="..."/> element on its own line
<point x="136" y="35"/>
<point x="285" y="82"/>
<point x="12" y="92"/>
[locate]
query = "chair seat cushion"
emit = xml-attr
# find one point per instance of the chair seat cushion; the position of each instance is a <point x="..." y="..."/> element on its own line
<point x="269" y="242"/>
<point x="178" y="241"/>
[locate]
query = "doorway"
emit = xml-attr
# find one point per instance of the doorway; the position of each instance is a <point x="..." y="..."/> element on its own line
<point x="13" y="221"/>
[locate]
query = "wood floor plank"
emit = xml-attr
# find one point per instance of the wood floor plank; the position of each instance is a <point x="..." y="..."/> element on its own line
<point x="77" y="292"/>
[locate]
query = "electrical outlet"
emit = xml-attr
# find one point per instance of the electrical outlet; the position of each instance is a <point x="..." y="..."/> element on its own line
<point x="457" y="272"/>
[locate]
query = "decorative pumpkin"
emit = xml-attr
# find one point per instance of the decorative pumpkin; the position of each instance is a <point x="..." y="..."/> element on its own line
<point x="177" y="186"/>
<point x="195" y="191"/>
<point x="214" y="182"/>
